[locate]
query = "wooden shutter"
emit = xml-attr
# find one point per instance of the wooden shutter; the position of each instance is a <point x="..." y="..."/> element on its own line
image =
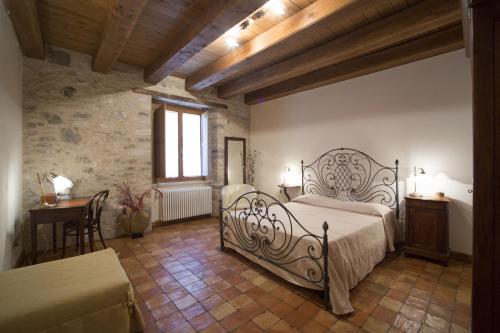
<point x="159" y="143"/>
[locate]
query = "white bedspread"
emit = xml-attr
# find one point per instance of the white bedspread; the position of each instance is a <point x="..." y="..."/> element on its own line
<point x="358" y="236"/>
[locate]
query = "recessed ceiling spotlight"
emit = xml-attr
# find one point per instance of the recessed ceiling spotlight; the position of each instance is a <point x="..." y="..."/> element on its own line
<point x="258" y="14"/>
<point x="276" y="7"/>
<point x="232" y="42"/>
<point x="244" y="25"/>
<point x="234" y="32"/>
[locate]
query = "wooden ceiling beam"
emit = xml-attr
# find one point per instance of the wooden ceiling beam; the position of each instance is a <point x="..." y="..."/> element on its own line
<point x="24" y="18"/>
<point x="315" y="19"/>
<point x="416" y="20"/>
<point x="122" y="18"/>
<point x="180" y="100"/>
<point x="444" y="41"/>
<point x="219" y="17"/>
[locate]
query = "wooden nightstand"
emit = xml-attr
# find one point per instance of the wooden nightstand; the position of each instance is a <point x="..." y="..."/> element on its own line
<point x="427" y="228"/>
<point x="285" y="188"/>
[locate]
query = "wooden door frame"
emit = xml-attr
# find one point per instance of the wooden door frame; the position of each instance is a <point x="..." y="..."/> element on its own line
<point x="485" y="52"/>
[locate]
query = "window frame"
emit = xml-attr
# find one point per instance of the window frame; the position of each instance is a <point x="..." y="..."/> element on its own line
<point x="161" y="164"/>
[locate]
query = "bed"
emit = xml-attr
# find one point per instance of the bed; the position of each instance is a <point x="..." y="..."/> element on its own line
<point x="329" y="238"/>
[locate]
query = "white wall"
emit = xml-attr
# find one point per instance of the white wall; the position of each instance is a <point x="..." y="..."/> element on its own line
<point x="420" y="113"/>
<point x="10" y="139"/>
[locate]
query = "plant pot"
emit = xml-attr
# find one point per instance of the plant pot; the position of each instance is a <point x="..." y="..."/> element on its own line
<point x="134" y="223"/>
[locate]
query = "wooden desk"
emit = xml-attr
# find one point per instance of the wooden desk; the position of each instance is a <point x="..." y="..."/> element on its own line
<point x="66" y="210"/>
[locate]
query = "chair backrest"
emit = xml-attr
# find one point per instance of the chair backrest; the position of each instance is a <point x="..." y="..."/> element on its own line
<point x="96" y="206"/>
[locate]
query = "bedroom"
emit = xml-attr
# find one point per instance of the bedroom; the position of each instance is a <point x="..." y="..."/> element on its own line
<point x="167" y="97"/>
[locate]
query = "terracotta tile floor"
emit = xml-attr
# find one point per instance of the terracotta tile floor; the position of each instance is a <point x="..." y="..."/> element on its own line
<point x="184" y="283"/>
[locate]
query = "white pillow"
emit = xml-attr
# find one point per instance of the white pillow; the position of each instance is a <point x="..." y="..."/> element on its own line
<point x="367" y="208"/>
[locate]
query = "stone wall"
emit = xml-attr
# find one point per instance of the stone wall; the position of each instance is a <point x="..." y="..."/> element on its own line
<point x="95" y="130"/>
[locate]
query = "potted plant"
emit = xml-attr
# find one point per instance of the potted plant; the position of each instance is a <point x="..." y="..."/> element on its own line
<point x="133" y="218"/>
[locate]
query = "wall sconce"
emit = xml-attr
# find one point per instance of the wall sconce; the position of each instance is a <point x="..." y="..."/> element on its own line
<point x="416" y="173"/>
<point x="62" y="185"/>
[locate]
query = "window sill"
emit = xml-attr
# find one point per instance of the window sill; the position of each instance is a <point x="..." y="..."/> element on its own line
<point x="181" y="182"/>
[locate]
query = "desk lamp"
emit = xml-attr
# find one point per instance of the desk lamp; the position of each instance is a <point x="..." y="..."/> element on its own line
<point x="62" y="185"/>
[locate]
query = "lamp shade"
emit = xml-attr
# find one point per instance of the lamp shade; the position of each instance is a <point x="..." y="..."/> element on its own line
<point x="62" y="185"/>
<point x="287" y="175"/>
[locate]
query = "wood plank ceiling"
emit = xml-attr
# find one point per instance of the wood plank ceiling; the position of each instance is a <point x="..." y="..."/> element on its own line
<point x="311" y="44"/>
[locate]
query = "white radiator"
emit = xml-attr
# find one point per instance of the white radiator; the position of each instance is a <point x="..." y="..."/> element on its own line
<point x="184" y="202"/>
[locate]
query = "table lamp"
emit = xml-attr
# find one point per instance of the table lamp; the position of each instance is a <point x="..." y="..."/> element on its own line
<point x="287" y="175"/>
<point x="62" y="185"/>
<point x="416" y="172"/>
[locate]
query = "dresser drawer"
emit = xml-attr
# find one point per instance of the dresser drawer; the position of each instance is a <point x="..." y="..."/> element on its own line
<point x="420" y="203"/>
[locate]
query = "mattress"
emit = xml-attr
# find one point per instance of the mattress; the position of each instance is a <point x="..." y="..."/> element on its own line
<point x="359" y="234"/>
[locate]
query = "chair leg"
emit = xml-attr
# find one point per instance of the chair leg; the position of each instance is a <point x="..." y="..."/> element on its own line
<point x="54" y="237"/>
<point x="91" y="239"/>
<point x="100" y="235"/>
<point x="64" y="243"/>
<point x="77" y="241"/>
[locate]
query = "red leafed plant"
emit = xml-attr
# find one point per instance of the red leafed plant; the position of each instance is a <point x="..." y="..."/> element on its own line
<point x="129" y="201"/>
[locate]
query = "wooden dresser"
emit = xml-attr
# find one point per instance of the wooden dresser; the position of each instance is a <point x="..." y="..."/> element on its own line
<point x="427" y="228"/>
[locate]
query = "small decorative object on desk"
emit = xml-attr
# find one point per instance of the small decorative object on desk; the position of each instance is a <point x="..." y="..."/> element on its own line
<point x="133" y="219"/>
<point x="50" y="199"/>
<point x="440" y="195"/>
<point x="46" y="199"/>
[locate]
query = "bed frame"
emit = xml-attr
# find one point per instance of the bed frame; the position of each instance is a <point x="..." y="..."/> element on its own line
<point x="341" y="173"/>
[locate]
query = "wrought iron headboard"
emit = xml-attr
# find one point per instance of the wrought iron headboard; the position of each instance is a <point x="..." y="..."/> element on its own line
<point x="350" y="174"/>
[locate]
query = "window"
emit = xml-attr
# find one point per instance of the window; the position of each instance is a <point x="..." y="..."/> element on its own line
<point x="180" y="144"/>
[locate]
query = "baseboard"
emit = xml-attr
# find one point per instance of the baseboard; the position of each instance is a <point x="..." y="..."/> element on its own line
<point x="459" y="256"/>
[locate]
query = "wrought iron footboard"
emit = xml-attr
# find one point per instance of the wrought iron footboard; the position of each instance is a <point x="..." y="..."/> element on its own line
<point x="260" y="225"/>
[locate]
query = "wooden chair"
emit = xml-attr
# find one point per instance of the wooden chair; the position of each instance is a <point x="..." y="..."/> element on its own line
<point x="95" y="208"/>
